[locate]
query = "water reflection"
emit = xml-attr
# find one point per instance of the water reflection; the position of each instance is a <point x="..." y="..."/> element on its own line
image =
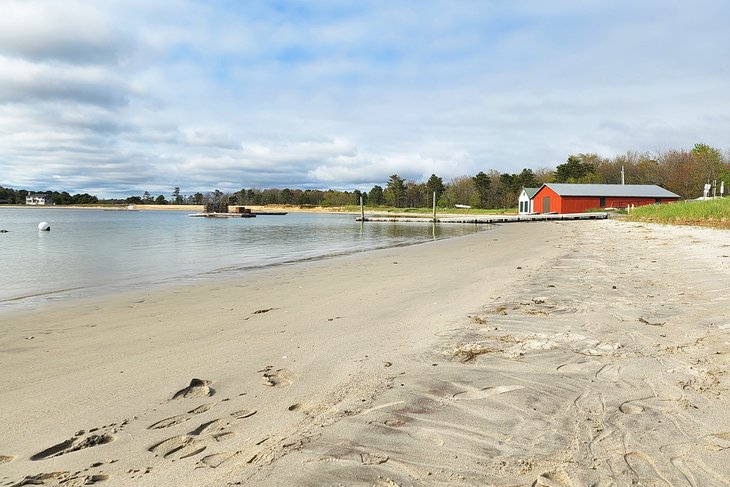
<point x="96" y="250"/>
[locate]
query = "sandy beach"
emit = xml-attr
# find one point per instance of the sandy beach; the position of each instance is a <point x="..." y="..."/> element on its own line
<point x="547" y="354"/>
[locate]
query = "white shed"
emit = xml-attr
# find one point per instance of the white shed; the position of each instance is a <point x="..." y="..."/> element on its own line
<point x="525" y="200"/>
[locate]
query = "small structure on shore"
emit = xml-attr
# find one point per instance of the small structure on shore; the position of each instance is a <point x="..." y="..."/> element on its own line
<point x="225" y="211"/>
<point x="211" y="211"/>
<point x="525" y="200"/>
<point x="216" y="207"/>
<point x="564" y="198"/>
<point x="35" y="199"/>
<point x="243" y="209"/>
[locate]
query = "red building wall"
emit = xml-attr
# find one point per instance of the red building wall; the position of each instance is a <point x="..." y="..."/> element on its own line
<point x="616" y="202"/>
<point x="538" y="200"/>
<point x="579" y="204"/>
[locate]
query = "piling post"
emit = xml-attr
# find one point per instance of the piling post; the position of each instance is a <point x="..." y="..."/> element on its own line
<point x="362" y="210"/>
<point x="434" y="206"/>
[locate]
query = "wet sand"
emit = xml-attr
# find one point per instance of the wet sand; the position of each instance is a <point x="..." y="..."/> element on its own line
<point x="553" y="354"/>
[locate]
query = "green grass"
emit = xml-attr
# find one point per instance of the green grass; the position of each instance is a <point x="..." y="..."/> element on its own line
<point x="712" y="213"/>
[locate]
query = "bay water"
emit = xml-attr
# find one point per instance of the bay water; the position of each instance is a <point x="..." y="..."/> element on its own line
<point x="95" y="251"/>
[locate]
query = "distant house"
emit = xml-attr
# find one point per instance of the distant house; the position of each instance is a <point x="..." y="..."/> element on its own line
<point x="577" y="198"/>
<point x="38" y="199"/>
<point x="525" y="200"/>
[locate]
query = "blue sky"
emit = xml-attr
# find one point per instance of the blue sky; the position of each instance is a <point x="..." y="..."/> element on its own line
<point x="116" y="98"/>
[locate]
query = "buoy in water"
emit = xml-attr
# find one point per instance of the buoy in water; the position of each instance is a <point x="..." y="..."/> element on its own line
<point x="44" y="227"/>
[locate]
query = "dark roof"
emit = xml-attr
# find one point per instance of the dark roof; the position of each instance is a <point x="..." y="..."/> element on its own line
<point x="530" y="191"/>
<point x="620" y="190"/>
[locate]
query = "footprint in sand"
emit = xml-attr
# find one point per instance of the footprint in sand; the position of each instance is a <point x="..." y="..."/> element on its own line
<point x="61" y="478"/>
<point x="180" y="418"/>
<point x="696" y="473"/>
<point x="243" y="413"/>
<point x="629" y="408"/>
<point x="168" y="422"/>
<point x="198" y="440"/>
<point x="74" y="444"/>
<point x="578" y="367"/>
<point x="182" y="446"/>
<point x="6" y="459"/>
<point x="719" y="441"/>
<point x="277" y="378"/>
<point x="215" y="426"/>
<point x="216" y="460"/>
<point x="553" y="479"/>
<point x="197" y="388"/>
<point x="373" y="458"/>
<point x="644" y="469"/>
<point x="223" y="436"/>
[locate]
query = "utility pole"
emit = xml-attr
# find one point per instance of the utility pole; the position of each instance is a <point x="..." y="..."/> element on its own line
<point x="622" y="175"/>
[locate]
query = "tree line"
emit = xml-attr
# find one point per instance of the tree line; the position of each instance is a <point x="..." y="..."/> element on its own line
<point x="17" y="197"/>
<point x="683" y="172"/>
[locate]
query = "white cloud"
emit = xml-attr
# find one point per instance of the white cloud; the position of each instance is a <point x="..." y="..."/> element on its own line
<point x="72" y="31"/>
<point x="129" y="96"/>
<point x="23" y="81"/>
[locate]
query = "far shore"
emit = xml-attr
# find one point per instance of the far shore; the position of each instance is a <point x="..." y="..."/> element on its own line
<point x="189" y="208"/>
<point x="261" y="208"/>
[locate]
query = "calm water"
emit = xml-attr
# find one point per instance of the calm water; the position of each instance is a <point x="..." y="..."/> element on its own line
<point x="97" y="252"/>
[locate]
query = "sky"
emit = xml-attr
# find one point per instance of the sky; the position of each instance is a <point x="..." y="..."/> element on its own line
<point x="118" y="97"/>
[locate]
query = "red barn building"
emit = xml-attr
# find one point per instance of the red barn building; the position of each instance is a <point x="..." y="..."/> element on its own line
<point x="577" y="198"/>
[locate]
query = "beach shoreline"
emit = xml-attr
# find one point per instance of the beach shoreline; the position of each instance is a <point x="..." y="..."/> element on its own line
<point x="540" y="353"/>
<point x="94" y="252"/>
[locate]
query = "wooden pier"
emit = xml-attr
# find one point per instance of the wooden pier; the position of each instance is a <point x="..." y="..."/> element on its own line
<point x="222" y="215"/>
<point x="225" y="211"/>
<point x="487" y="219"/>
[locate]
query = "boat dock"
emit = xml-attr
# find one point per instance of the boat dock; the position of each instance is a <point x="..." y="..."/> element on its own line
<point x="213" y="210"/>
<point x="487" y="219"/>
<point x="222" y="215"/>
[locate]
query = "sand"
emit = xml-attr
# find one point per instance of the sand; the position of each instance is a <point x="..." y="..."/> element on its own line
<point x="549" y="354"/>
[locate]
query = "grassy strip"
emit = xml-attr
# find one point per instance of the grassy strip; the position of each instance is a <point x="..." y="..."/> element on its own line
<point x="428" y="211"/>
<point x="710" y="213"/>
